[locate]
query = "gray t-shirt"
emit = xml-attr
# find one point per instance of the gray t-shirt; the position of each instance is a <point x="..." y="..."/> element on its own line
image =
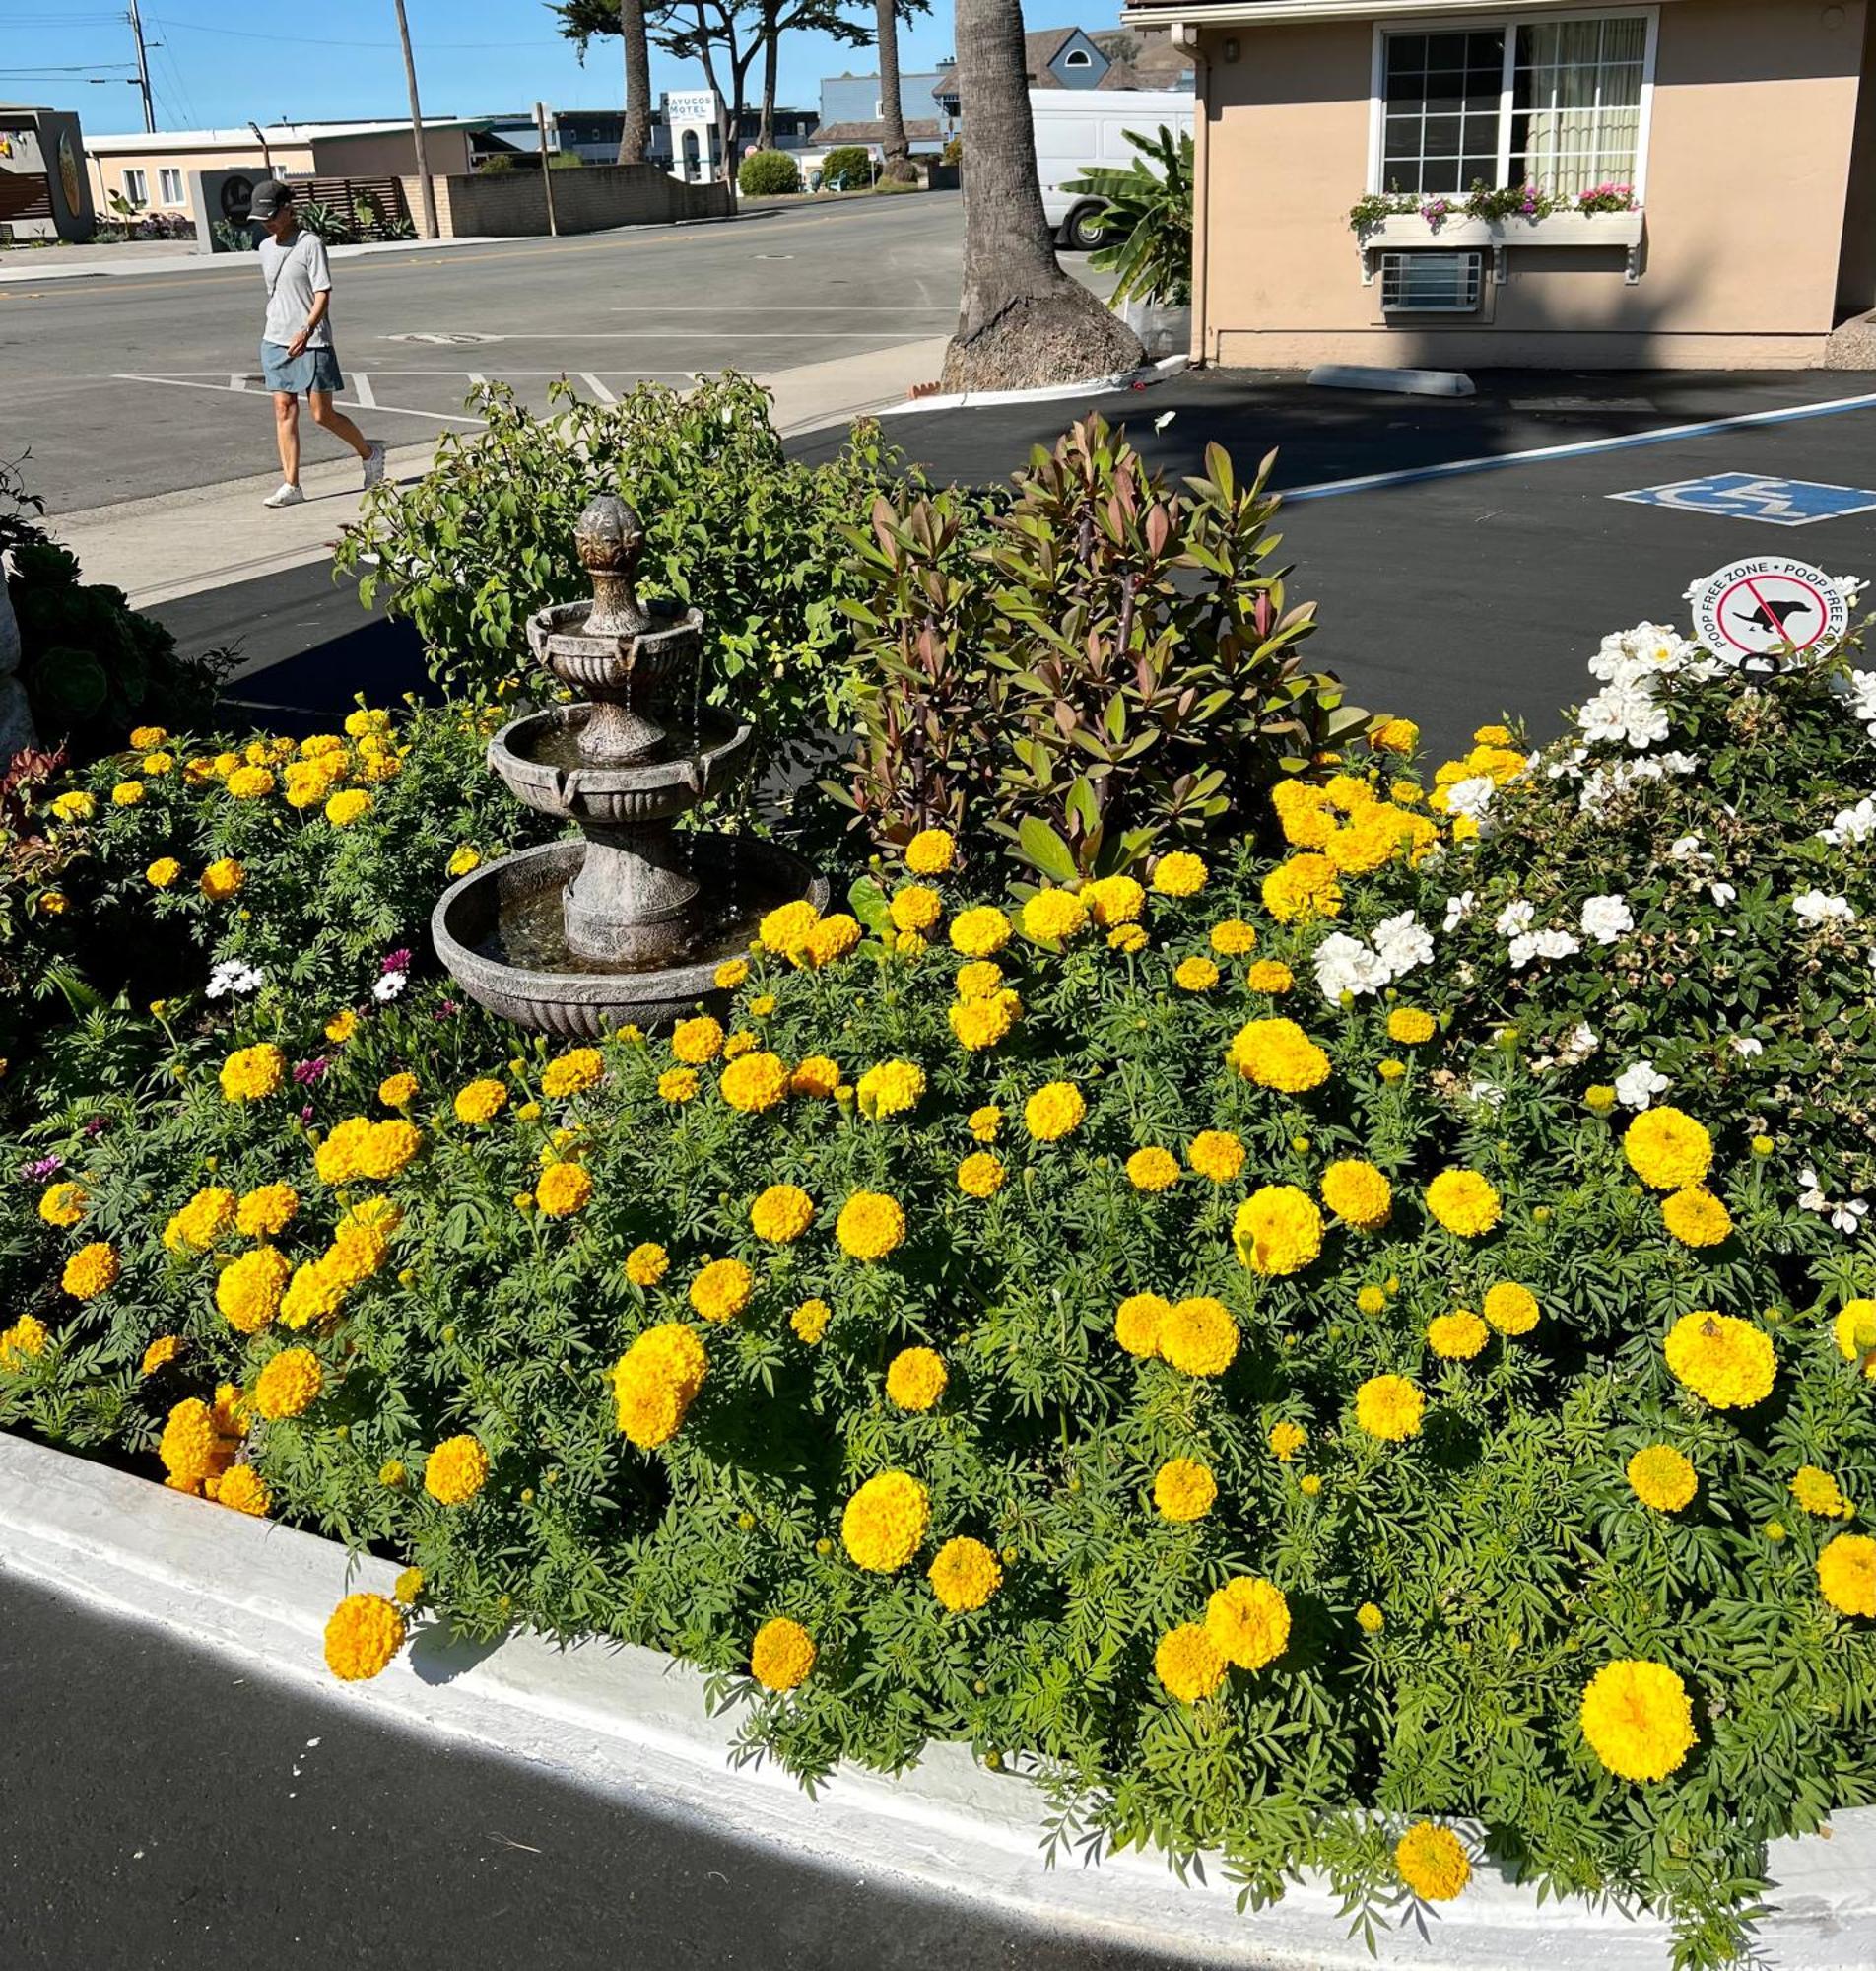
<point x="293" y="274"/>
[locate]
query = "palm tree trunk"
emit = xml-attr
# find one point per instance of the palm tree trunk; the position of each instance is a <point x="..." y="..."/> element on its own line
<point x="898" y="156"/>
<point x="1020" y="321"/>
<point x="771" y="36"/>
<point x="637" y="131"/>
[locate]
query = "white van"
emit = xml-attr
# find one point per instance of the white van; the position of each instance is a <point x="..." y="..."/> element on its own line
<point x="1080" y="130"/>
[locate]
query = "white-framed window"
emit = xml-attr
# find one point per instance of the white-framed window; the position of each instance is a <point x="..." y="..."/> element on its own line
<point x="170" y="185"/>
<point x="1559" y="103"/>
<point x="1077" y="58"/>
<point x="135" y="188"/>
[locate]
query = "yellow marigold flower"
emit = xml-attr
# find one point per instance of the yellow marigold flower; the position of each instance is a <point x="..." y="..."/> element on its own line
<point x="1390" y="1407"/>
<point x="1459" y="1336"/>
<point x="564" y="1189"/>
<point x="964" y="1574"/>
<point x="1051" y="916"/>
<point x="678" y="1085"/>
<point x="1152" y="1169"/>
<point x="1115" y="901"/>
<point x="1137" y="1322"/>
<point x="1305" y="886"/>
<point x="350" y="805"/>
<point x="890" y="1089"/>
<point x="1431" y="1859"/>
<point x="1234" y="937"/>
<point x="1277" y="1231"/>
<point x="314" y="1294"/>
<point x="1358" y="1194"/>
<point x="1510" y="1308"/>
<point x="1277" y="1053"/>
<point x="1195" y="975"/>
<point x="146" y="738"/>
<point x="1721" y="1358"/>
<point x="1599" y="1098"/>
<point x="1409" y="1025"/>
<point x="1198" y="1336"/>
<point x="1128" y="939"/>
<point x="646" y="1265"/>
<point x="1216" y="1154"/>
<point x="1396" y="735"/>
<point x="732" y="973"/>
<point x="1464" y="1202"/>
<point x="249" y="1291"/>
<point x="1371" y="1301"/>
<point x="408" y="1589"/>
<point x="916" y="907"/>
<point x="1854" y="1331"/>
<point x="127" y="793"/>
<point x="480" y="1102"/>
<point x="915" y="1377"/>
<point x="290" y="1384"/>
<point x="979" y="933"/>
<point x="723" y="1289"/>
<point x="655" y="1382"/>
<point x="387" y="1148"/>
<point x="1271" y="976"/>
<point x="980" y="1174"/>
<point x="572" y="1073"/>
<point x="465" y="860"/>
<point x="930" y="853"/>
<point x="163" y="873"/>
<point x="1846" y="1575"/>
<point x="785" y="930"/>
<point x="63" y="1204"/>
<point x="392" y="1472"/>
<point x="252" y="1072"/>
<point x="26" y="1339"/>
<point x="456" y="1471"/>
<point x="249" y="783"/>
<point x="982" y="1023"/>
<point x="810" y="1321"/>
<point x="781" y="1214"/>
<point x="885" y="1521"/>
<point x="817" y="1075"/>
<point x="981" y="979"/>
<point x="1053" y="1112"/>
<point x="1249" y="1622"/>
<point x="362" y="1634"/>
<point x="91" y="1270"/>
<point x="1310" y="1484"/>
<point x="1304" y="813"/>
<point x="1180" y="874"/>
<point x="1187" y="1664"/>
<point x="1183" y="1489"/>
<point x="830" y="940"/>
<point x="1637" y="1719"/>
<point x="984" y="1123"/>
<point x="342" y="1026"/>
<point x="241" y="1488"/>
<point x="1817" y="1491"/>
<point x="870" y="1225"/>
<point x="781" y="1656"/>
<point x="266" y="1211"/>
<point x="191" y="1447"/>
<point x="1696" y="1217"/>
<point x="163" y="1350"/>
<point x="200" y="1222"/>
<point x="754" y="1083"/>
<point x="695" y="1042"/>
<point x="398" y="1091"/>
<point x="1370" y="1618"/>
<point x="1667" y="1150"/>
<point x="1286" y="1438"/>
<point x="77" y="805"/>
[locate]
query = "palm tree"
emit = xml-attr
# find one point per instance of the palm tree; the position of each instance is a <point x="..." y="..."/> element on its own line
<point x="635" y="133"/>
<point x="899" y="155"/>
<point x="1021" y="320"/>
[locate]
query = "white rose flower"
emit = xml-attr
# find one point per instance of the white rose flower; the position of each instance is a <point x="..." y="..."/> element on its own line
<point x="1515" y="918"/>
<point x="1607" y="918"/>
<point x="1852" y="824"/>
<point x="1471" y="796"/>
<point x="1848" y="1217"/>
<point x="1638" y="1085"/>
<point x="1459" y="908"/>
<point x="1344" y="964"/>
<point x="1624" y="714"/>
<point x="1486" y="1093"/>
<point x="1721" y="892"/>
<point x="1746" y="1046"/>
<point x="1402" y="943"/>
<point x="1578" y="1045"/>
<point x="1556" y="944"/>
<point x="1851" y="587"/>
<point x="1819" y="906"/>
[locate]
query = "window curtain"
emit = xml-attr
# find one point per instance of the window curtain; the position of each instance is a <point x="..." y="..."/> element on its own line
<point x="1578" y="97"/>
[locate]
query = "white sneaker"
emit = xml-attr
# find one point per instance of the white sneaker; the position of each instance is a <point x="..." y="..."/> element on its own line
<point x="373" y="466"/>
<point x="285" y="496"/>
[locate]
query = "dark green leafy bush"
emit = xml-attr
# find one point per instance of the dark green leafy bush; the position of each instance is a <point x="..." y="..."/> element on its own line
<point x="766" y="174"/>
<point x="846" y="167"/>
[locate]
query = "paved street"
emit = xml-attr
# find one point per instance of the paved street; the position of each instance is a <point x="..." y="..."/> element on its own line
<point x="125" y="386"/>
<point x="184" y="1808"/>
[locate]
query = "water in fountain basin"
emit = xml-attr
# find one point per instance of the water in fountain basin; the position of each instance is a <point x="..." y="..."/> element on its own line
<point x="559" y="745"/>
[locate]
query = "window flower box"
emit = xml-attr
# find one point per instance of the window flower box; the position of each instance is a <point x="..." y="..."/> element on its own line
<point x="1459" y="231"/>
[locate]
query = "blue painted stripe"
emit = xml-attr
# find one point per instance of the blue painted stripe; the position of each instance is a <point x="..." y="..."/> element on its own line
<point x="1455" y="468"/>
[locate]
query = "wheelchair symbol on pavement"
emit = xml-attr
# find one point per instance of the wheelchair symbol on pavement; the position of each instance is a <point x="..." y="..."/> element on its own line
<point x="1746" y="496"/>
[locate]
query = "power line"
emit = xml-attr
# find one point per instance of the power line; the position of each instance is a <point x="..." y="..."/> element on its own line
<point x="325" y="40"/>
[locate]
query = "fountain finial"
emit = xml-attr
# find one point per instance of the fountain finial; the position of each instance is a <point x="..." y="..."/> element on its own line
<point x="609" y="537"/>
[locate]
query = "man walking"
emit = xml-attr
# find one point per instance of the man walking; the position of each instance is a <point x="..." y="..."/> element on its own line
<point x="295" y="351"/>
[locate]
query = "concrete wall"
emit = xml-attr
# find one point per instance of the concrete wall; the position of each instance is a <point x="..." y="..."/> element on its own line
<point x="1748" y="166"/>
<point x="511" y="204"/>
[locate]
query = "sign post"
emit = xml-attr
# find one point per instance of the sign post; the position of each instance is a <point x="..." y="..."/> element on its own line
<point x="547" y="175"/>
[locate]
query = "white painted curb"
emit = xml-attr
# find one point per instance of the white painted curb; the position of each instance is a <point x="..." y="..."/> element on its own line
<point x="1408" y="383"/>
<point x="1043" y="394"/>
<point x="629" y="1721"/>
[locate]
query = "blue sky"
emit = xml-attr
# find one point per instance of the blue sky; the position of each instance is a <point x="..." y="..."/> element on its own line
<point x="222" y="64"/>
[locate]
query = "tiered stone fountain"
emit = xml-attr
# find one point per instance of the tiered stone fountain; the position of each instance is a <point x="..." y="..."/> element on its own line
<point x="632" y="923"/>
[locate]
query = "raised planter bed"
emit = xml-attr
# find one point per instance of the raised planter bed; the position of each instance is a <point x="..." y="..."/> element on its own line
<point x="1622" y="230"/>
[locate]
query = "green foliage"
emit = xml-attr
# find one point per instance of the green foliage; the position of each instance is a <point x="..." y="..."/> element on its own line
<point x="1147" y="220"/>
<point x="1118" y="667"/>
<point x="495" y="165"/>
<point x="890" y="187"/>
<point x="846" y="167"/>
<point x="766" y="174"/>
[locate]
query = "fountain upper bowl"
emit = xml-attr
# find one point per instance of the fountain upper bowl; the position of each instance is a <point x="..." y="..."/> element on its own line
<point x="641" y="665"/>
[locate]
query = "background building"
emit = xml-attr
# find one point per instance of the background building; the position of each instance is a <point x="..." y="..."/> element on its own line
<point x="43" y="194"/>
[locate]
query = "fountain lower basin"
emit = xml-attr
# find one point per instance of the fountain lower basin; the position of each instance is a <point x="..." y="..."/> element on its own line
<point x="501" y="934"/>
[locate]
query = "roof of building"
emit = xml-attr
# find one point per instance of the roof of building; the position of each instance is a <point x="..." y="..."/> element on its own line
<point x="274" y="133"/>
<point x="919" y="130"/>
<point x="1150" y="60"/>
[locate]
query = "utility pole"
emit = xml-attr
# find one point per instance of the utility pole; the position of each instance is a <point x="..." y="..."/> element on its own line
<point x="417" y="125"/>
<point x="547" y="176"/>
<point x="143" y="67"/>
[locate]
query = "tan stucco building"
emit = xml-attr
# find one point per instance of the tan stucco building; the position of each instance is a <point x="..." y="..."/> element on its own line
<point x="1735" y="141"/>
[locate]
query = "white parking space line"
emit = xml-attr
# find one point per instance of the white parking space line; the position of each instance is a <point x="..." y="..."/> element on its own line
<point x="598" y="388"/>
<point x="361" y="389"/>
<point x="228" y="390"/>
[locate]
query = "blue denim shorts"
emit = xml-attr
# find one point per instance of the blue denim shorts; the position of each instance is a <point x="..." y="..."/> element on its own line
<point x="311" y="370"/>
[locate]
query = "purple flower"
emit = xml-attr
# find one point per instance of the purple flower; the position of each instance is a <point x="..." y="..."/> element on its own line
<point x="395" y="961"/>
<point x="96" y="1126"/>
<point x="443" y="1011"/>
<point x="43" y="1168"/>
<point x="307" y="1073"/>
<point x="305" y="1114"/>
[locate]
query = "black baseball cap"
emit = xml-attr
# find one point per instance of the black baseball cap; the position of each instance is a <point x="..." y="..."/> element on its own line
<point x="268" y="199"/>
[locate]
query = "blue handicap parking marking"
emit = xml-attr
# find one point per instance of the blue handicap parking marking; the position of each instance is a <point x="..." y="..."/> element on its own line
<point x="1747" y="495"/>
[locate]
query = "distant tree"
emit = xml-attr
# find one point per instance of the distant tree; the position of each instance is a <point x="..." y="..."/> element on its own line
<point x="898" y="153"/>
<point x="582" y="20"/>
<point x="1021" y="320"/>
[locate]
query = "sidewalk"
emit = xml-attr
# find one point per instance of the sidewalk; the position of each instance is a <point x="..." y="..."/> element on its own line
<point x="176" y="544"/>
